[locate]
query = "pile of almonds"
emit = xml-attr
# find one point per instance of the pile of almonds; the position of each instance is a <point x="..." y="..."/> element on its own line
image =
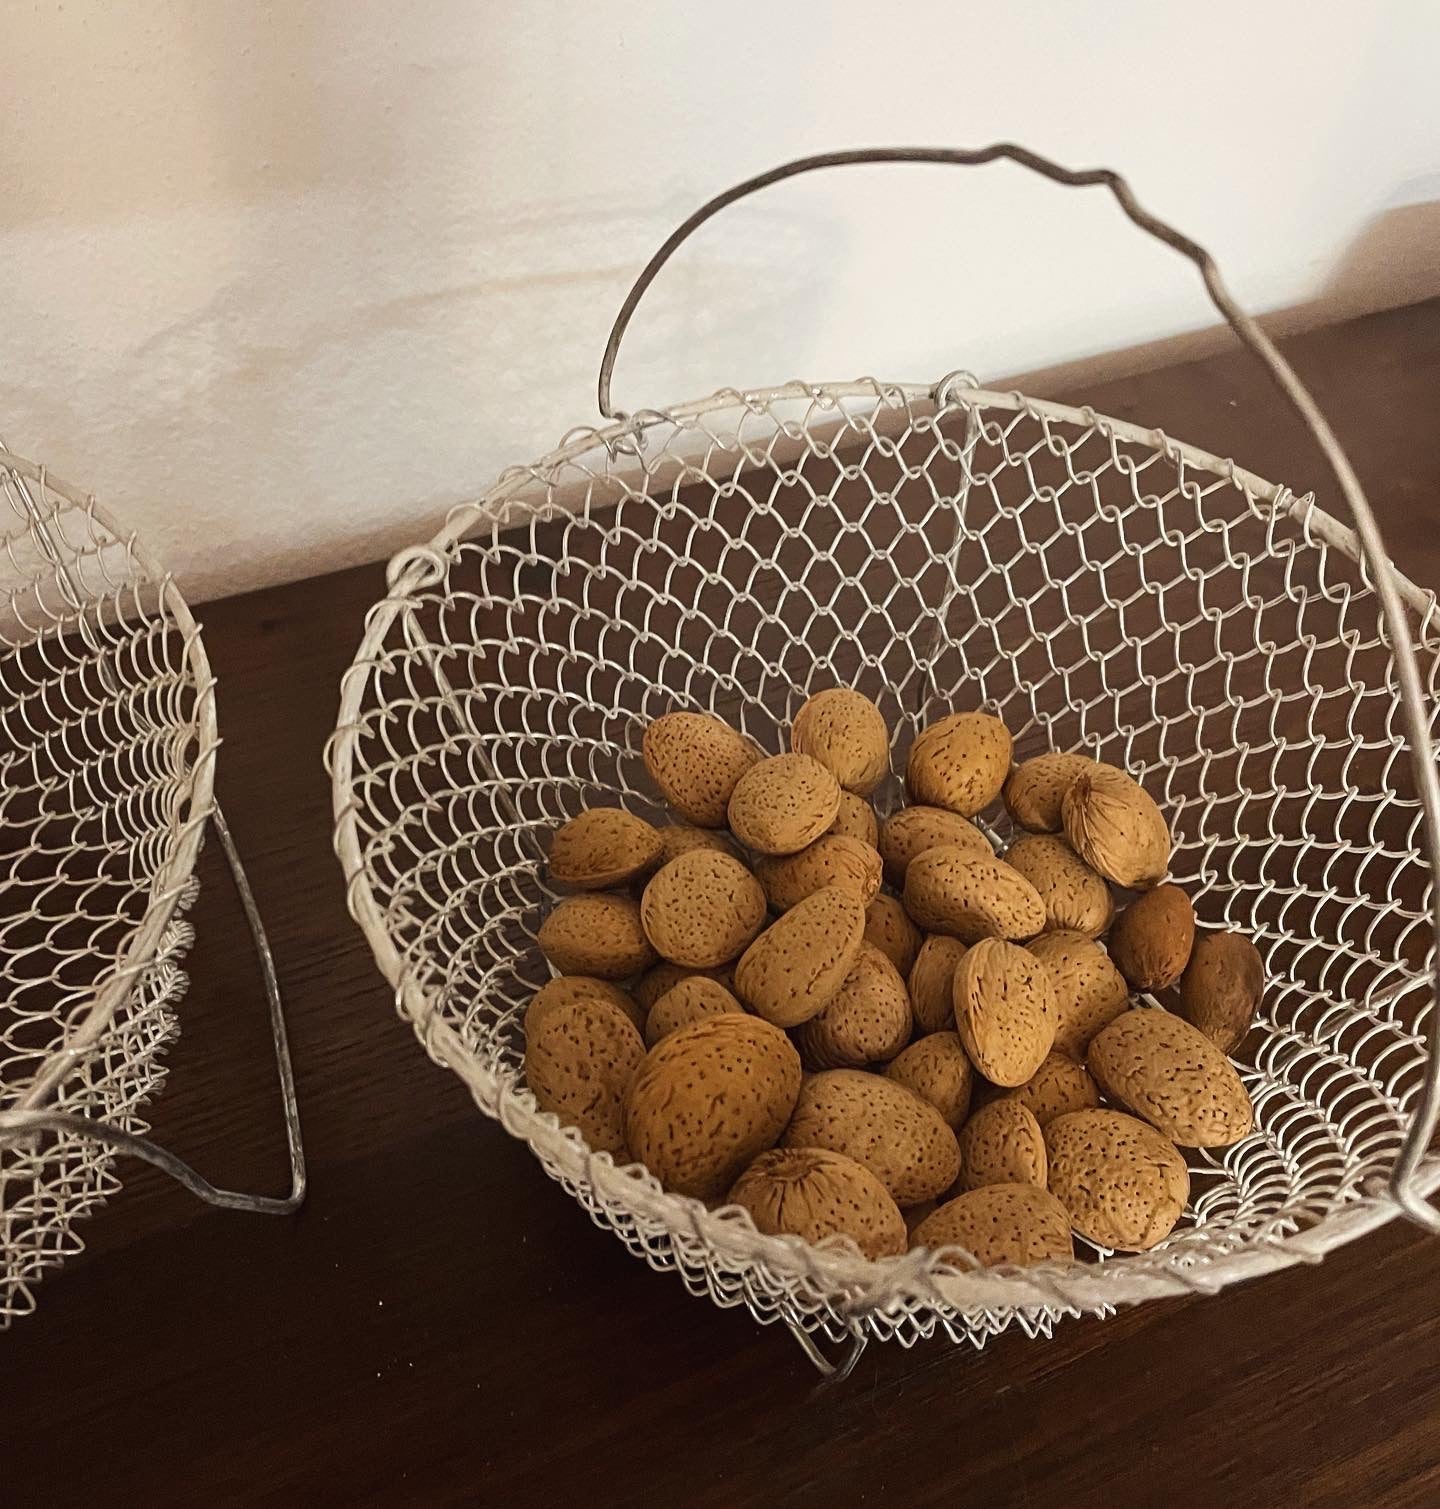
<point x="957" y="1060"/>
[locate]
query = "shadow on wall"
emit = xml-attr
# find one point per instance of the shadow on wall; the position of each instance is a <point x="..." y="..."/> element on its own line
<point x="1395" y="260"/>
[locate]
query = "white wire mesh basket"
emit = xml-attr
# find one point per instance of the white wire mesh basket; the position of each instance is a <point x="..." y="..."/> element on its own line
<point x="107" y="754"/>
<point x="1099" y="586"/>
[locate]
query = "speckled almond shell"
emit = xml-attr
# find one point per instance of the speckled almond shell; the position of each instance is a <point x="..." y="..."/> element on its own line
<point x="1060" y="1085"/>
<point x="782" y="804"/>
<point x="1037" y="786"/>
<point x="1123" y="1184"/>
<point x="564" y="989"/>
<point x="1221" y="989"/>
<point x="602" y="847"/>
<point x="900" y="1138"/>
<point x="912" y="830"/>
<point x="702" y="909"/>
<point x="1002" y="1144"/>
<point x="1089" y="991"/>
<point x="1152" y="939"/>
<point x="813" y="1193"/>
<point x="1074" y="896"/>
<point x="692" y="1000"/>
<point x="596" y="934"/>
<point x="1170" y="1074"/>
<point x="680" y="838"/>
<point x="1004" y="1010"/>
<point x="855" y="818"/>
<point x="793" y="968"/>
<point x="579" y="1062"/>
<point x="846" y="732"/>
<point x="959" y="763"/>
<point x="1000" y="1223"/>
<point x="932" y="983"/>
<point x="889" y="928"/>
<point x="830" y="860"/>
<point x="1115" y="826"/>
<point x="866" y="1021"/>
<point x="665" y="976"/>
<point x="950" y="890"/>
<point x="695" y="760"/>
<point x="708" y="1099"/>
<point x="937" y="1068"/>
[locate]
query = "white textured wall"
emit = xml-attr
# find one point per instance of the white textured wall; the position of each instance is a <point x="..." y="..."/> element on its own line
<point x="283" y="280"/>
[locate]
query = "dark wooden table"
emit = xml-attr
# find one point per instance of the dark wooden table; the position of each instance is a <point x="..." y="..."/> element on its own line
<point x="443" y="1325"/>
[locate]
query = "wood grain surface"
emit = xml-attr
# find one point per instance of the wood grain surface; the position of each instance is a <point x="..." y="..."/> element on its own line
<point x="442" y="1324"/>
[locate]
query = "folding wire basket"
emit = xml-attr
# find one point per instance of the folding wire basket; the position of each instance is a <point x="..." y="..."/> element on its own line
<point x="1098" y="585"/>
<point x="107" y="758"/>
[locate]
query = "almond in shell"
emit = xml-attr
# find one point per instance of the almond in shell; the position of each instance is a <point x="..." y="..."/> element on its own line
<point x="1169" y="1073"/>
<point x="846" y="732"/>
<point x="695" y="760"/>
<point x="707" y="1099"/>
<point x="1075" y="897"/>
<point x="579" y="1063"/>
<point x="950" y="890"/>
<point x="1089" y="991"/>
<point x="679" y="838"/>
<point x="932" y="983"/>
<point x="1000" y="1223"/>
<point x="1037" y="786"/>
<point x="564" y="989"/>
<point x="1114" y="825"/>
<point x="1002" y="1144"/>
<point x="831" y="860"/>
<point x="1005" y="1010"/>
<point x="1222" y="986"/>
<point x="959" y="763"/>
<point x="1060" y="1085"/>
<point x="783" y="803"/>
<point x="692" y="1000"/>
<point x="866" y="1021"/>
<point x="666" y="976"/>
<point x="596" y="934"/>
<point x="605" y="846"/>
<point x="791" y="970"/>
<point x="1153" y="937"/>
<point x="1124" y="1185"/>
<point x="937" y="1068"/>
<point x="912" y="830"/>
<point x="889" y="928"/>
<point x="855" y="818"/>
<point x="814" y="1193"/>
<point x="702" y="909"/>
<point x="900" y="1138"/>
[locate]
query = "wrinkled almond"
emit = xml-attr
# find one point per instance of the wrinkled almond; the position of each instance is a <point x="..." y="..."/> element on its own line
<point x="564" y="989"/>
<point x="949" y="890"/>
<point x="1152" y="938"/>
<point x="959" y="763"/>
<point x="830" y="860"/>
<point x="932" y="983"/>
<point x="666" y="976"/>
<point x="1002" y="1144"/>
<point x="702" y="909"/>
<point x="1123" y="1184"/>
<point x="579" y="1063"/>
<point x="695" y="760"/>
<point x="605" y="846"/>
<point x="793" y="968"/>
<point x="937" y="1068"/>
<point x="596" y="934"/>
<point x="1169" y="1073"/>
<point x="692" y="1000"/>
<point x="814" y="1193"/>
<point x="1074" y="896"/>
<point x="866" y="1021"/>
<point x="1004" y="1010"/>
<point x="912" y="830"/>
<point x="782" y="804"/>
<point x="1000" y="1223"/>
<point x="1089" y="991"/>
<point x="855" y="818"/>
<point x="889" y="928"/>
<point x="1060" y="1085"/>
<point x="847" y="734"/>
<point x="1113" y="824"/>
<point x="1221" y="988"/>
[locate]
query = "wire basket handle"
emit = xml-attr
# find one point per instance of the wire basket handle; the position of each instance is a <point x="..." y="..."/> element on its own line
<point x="1403" y="1186"/>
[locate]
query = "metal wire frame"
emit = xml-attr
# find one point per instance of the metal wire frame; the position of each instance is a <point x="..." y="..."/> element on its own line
<point x="144" y="968"/>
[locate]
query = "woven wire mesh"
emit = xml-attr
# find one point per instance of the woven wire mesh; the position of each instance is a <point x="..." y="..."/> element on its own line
<point x="1097" y="586"/>
<point x="106" y="743"/>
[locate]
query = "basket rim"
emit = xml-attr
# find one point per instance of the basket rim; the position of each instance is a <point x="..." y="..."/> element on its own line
<point x="1120" y="1279"/>
<point x="176" y="868"/>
